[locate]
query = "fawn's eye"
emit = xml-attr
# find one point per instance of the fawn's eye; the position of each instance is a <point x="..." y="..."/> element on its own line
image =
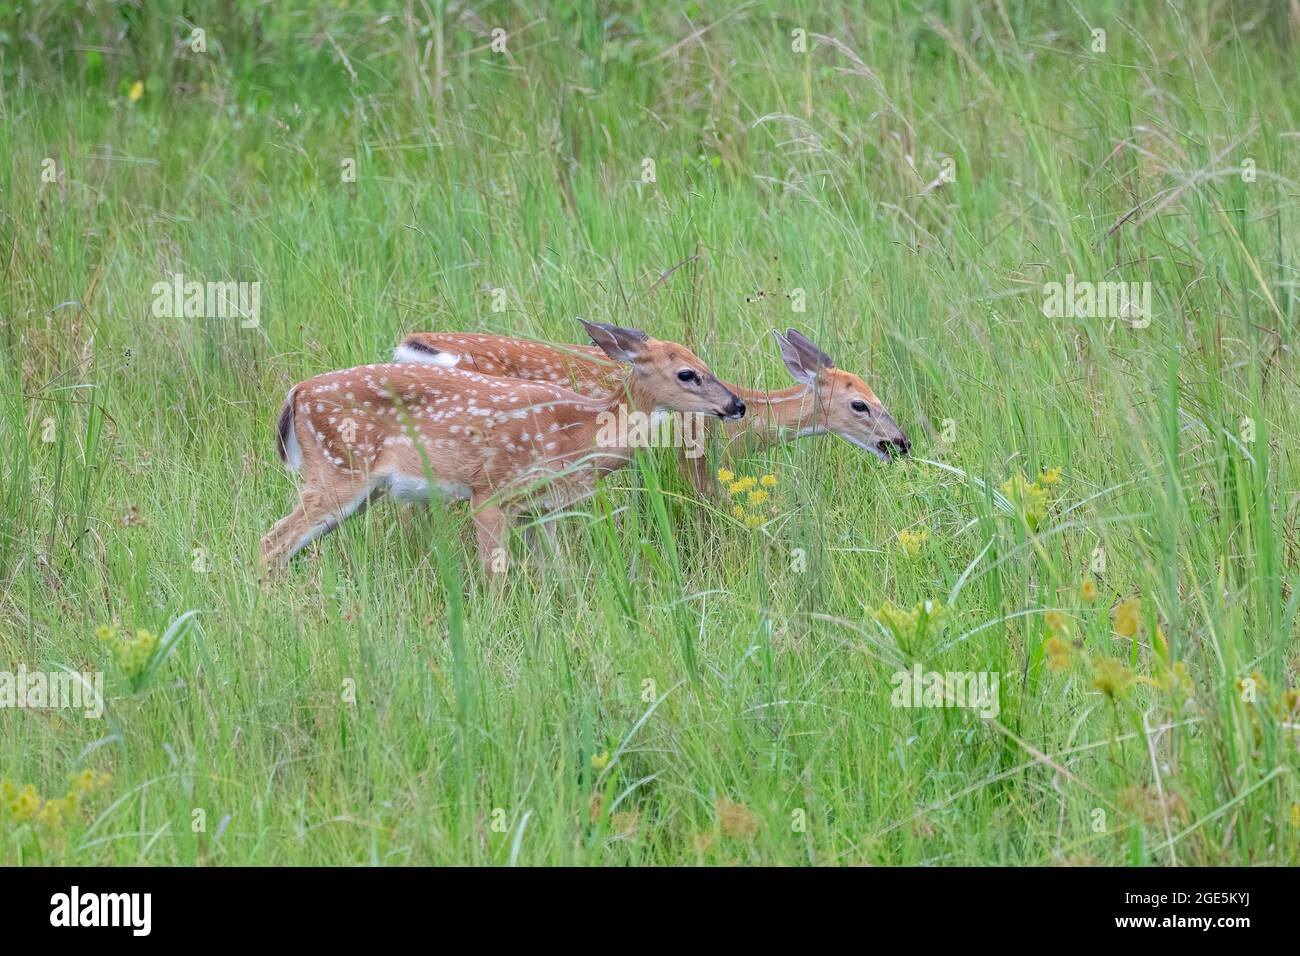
<point x="859" y="405"/>
<point x="687" y="375"/>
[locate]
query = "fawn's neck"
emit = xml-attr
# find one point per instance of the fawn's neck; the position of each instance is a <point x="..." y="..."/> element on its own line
<point x="601" y="431"/>
<point x="777" y="415"/>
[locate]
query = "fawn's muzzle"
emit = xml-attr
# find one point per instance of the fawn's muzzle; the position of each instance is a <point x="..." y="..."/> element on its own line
<point x="734" y="410"/>
<point x="893" y="447"/>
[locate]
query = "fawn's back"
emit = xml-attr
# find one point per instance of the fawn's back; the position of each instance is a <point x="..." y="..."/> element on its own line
<point x="582" y="368"/>
<point x="475" y="431"/>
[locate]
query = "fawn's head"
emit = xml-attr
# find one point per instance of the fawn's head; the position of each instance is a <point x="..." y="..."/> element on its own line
<point x="844" y="404"/>
<point x="666" y="375"/>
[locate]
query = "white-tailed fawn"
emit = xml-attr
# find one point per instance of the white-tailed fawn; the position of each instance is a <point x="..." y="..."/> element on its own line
<point x="507" y="445"/>
<point x="826" y="399"/>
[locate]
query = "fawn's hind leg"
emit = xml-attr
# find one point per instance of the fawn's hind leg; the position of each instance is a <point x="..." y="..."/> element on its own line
<point x="319" y="512"/>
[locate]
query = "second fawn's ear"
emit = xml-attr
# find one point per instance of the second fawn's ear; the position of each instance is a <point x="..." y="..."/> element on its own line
<point x="622" y="345"/>
<point x="818" y="358"/>
<point x="801" y="366"/>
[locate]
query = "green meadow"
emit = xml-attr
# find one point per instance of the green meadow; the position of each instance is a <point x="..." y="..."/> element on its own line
<point x="1098" y="521"/>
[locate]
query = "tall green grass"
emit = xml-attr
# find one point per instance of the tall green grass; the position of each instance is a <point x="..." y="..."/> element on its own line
<point x="672" y="686"/>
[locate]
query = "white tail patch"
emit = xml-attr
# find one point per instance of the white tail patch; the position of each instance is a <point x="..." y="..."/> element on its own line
<point x="404" y="353"/>
<point x="292" y="454"/>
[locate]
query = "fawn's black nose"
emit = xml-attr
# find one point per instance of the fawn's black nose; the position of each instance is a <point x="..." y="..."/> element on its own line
<point x="895" y="447"/>
<point x="736" y="409"/>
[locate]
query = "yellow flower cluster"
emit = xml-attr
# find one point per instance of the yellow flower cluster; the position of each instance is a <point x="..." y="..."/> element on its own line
<point x="1031" y="497"/>
<point x="751" y="491"/>
<point x="910" y="628"/>
<point x="1128" y="617"/>
<point x="1109" y="674"/>
<point x="132" y="653"/>
<point x="27" y="806"/>
<point x="1111" y="677"/>
<point x="1059" y="650"/>
<point x="1254" y="691"/>
<point x="1059" y="654"/>
<point x="1258" y="685"/>
<point x="911" y="541"/>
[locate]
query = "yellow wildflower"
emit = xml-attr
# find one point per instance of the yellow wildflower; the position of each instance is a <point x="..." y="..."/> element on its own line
<point x="133" y="654"/>
<point x="735" y="488"/>
<point x="1059" y="654"/>
<point x="1258" y="685"/>
<point x="1088" y="590"/>
<point x="726" y="475"/>
<point x="1029" y="496"/>
<point x="26" y="806"/>
<point x="894" y="617"/>
<point x="137" y="91"/>
<point x="757" y="497"/>
<point x="1111" y="677"/>
<point x="738" y="511"/>
<point x="768" y="481"/>
<point x="600" y="761"/>
<point x="1160" y="645"/>
<point x="1126" y="617"/>
<point x="746" y="483"/>
<point x="911" y="541"/>
<point x="1049" y="476"/>
<point x="910" y="628"/>
<point x="87" y="781"/>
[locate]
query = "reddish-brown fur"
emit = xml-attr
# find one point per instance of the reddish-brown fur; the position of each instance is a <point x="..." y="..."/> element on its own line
<point x="506" y="444"/>
<point x="823" y="402"/>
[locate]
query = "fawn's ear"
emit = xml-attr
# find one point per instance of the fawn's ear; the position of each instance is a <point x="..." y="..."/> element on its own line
<point x="806" y="346"/>
<point x="802" y="366"/>
<point x="622" y="345"/>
